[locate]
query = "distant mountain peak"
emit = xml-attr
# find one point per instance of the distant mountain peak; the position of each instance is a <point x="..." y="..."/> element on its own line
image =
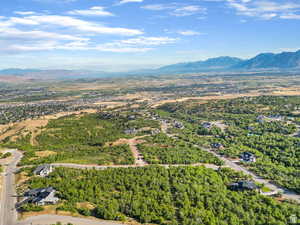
<point x="284" y="60"/>
<point x="219" y="63"/>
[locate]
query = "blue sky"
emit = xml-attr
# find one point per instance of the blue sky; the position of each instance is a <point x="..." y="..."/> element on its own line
<point x="120" y="35"/>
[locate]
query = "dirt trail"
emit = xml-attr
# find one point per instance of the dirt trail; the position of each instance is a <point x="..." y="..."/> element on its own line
<point x="139" y="159"/>
<point x="133" y="142"/>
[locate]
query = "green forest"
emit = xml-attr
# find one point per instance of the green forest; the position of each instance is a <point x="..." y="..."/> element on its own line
<point x="274" y="139"/>
<point x="161" y="149"/>
<point x="174" y="196"/>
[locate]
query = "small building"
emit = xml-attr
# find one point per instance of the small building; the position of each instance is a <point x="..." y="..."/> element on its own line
<point x="131" y="131"/>
<point x="178" y="125"/>
<point x="155" y="131"/>
<point x="131" y="117"/>
<point x="243" y="186"/>
<point x="271" y="118"/>
<point x="217" y="146"/>
<point x="248" y="157"/>
<point x="43" y="170"/>
<point x="41" y="196"/>
<point x="207" y="125"/>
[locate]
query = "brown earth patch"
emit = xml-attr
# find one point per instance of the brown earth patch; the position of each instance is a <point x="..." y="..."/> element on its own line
<point x="85" y="205"/>
<point x="44" y="153"/>
<point x="21" y="178"/>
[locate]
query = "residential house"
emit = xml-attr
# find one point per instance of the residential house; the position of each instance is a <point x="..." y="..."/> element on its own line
<point x="43" y="170"/>
<point x="132" y="131"/>
<point x="41" y="196"/>
<point x="155" y="131"/>
<point x="248" y="157"/>
<point x="217" y="146"/>
<point x="178" y="125"/>
<point x="272" y="118"/>
<point x="207" y="125"/>
<point x="243" y="186"/>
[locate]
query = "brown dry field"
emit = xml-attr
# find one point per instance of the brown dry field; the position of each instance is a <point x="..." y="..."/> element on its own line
<point x="46" y="153"/>
<point x="278" y="92"/>
<point x="33" y="126"/>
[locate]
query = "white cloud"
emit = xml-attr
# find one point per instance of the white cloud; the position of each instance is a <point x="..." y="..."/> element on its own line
<point x="20" y="34"/>
<point x="189" y="33"/>
<point x="188" y="10"/>
<point x="55" y="32"/>
<point x="264" y="9"/>
<point x="107" y="48"/>
<point x="177" y="9"/>
<point x="149" y="41"/>
<point x="13" y="34"/>
<point x="24" y="21"/>
<point x="82" y="25"/>
<point x="290" y="16"/>
<point x="158" y="7"/>
<point x="23" y="13"/>
<point x="129" y="1"/>
<point x="93" y="11"/>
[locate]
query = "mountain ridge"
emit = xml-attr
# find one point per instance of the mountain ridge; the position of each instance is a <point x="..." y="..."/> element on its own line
<point x="284" y="60"/>
<point x="264" y="61"/>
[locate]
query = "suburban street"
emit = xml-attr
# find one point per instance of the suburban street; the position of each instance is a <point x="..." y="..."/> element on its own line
<point x="78" y="166"/>
<point x="285" y="193"/>
<point x="8" y="214"/>
<point x="228" y="163"/>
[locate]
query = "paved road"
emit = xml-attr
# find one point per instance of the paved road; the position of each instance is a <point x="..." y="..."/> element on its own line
<point x="228" y="163"/>
<point x="77" y="166"/>
<point x="52" y="219"/>
<point x="8" y="214"/>
<point x="285" y="192"/>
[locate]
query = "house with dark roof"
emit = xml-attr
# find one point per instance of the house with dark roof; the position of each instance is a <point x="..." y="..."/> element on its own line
<point x="41" y="196"/>
<point x="43" y="170"/>
<point x="243" y="186"/>
<point x="217" y="146"/>
<point x="248" y="157"/>
<point x="178" y="125"/>
<point x="207" y="125"/>
<point x="271" y="118"/>
<point x="131" y="131"/>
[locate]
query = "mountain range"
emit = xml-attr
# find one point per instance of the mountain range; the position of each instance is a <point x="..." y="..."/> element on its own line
<point x="265" y="61"/>
<point x="284" y="60"/>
